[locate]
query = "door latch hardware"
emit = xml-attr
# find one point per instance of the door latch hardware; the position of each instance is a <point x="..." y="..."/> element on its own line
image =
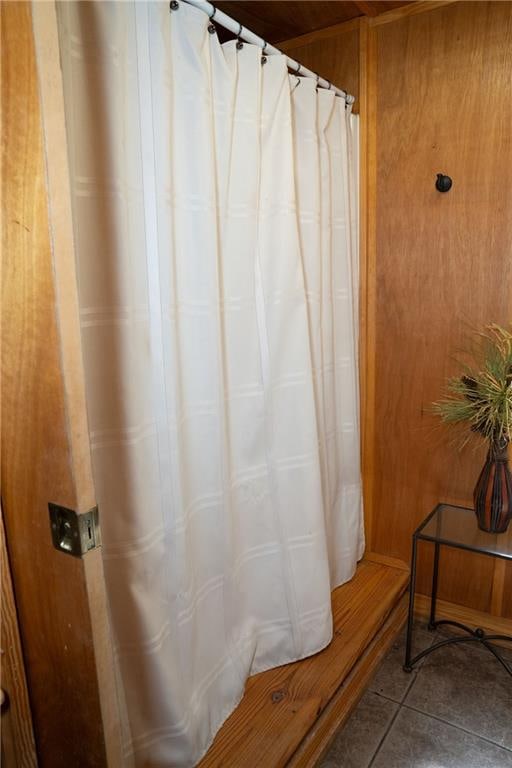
<point x="74" y="533"/>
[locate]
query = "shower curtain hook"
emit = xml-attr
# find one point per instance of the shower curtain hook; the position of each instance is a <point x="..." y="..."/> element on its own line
<point x="297" y="71"/>
<point x="211" y="25"/>
<point x="239" y="43"/>
<point x="264" y="57"/>
<point x="174" y="5"/>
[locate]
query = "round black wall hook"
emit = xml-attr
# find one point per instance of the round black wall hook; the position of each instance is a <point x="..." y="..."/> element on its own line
<point x="443" y="183"/>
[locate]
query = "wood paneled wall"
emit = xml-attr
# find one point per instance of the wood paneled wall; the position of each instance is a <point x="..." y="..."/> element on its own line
<point x="443" y="262"/>
<point x="436" y="96"/>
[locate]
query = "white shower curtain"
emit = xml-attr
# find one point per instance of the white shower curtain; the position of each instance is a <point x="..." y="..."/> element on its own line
<point x="215" y="230"/>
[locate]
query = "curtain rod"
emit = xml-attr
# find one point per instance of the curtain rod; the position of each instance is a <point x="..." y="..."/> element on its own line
<point x="245" y="34"/>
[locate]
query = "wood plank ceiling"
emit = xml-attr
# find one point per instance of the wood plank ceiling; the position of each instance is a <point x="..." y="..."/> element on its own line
<point x="278" y="20"/>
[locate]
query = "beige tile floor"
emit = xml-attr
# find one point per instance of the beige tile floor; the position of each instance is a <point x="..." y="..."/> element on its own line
<point x="454" y="711"/>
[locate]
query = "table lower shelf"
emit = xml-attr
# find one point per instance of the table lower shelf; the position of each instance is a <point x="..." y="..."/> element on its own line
<point x="472" y="636"/>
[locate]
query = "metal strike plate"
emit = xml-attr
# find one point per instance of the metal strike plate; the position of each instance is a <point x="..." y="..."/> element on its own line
<point x="73" y="533"/>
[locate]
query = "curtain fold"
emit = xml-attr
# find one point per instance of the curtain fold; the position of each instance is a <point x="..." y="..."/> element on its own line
<point x="215" y="218"/>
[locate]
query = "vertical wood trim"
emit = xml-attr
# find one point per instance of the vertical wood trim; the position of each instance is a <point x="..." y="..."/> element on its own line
<point x="17" y="729"/>
<point x="368" y="187"/>
<point x="105" y="661"/>
<point x="44" y="21"/>
<point x="51" y="96"/>
<point x="498" y="587"/>
<point x="51" y="599"/>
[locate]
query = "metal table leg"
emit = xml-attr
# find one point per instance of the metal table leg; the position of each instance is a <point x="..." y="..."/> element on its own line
<point x="433" y="599"/>
<point x="410" y="618"/>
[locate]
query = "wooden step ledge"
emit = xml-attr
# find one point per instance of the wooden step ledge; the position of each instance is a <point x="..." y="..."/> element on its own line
<point x="316" y="694"/>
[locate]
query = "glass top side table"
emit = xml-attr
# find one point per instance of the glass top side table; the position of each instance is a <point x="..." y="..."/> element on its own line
<point x="452" y="526"/>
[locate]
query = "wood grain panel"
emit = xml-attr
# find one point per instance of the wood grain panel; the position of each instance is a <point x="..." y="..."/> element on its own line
<point x="50" y="586"/>
<point x="277" y="21"/>
<point x="337" y="712"/>
<point x="335" y="58"/>
<point x="507" y="593"/>
<point x="18" y="746"/>
<point x="443" y="262"/>
<point x="409" y="9"/>
<point x="281" y="705"/>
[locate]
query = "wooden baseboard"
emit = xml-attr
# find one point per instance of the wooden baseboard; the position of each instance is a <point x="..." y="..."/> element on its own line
<point x="289" y="714"/>
<point x="337" y="712"/>
<point x="495" y="625"/>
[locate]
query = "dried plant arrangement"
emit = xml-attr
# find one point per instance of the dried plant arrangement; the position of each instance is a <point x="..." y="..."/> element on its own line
<point x="481" y="398"/>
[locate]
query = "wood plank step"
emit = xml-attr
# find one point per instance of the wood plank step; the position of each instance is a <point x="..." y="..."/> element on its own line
<point x="338" y="710"/>
<point x="265" y="729"/>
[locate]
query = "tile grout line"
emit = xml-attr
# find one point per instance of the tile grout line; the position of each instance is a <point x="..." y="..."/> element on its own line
<point x="400" y="704"/>
<point x="412" y="678"/>
<point x="384" y="737"/>
<point x="437" y="717"/>
<point x="458" y="727"/>
<point x="418" y="670"/>
<point x="412" y="683"/>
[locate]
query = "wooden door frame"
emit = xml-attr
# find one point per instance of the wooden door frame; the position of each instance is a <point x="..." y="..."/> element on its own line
<point x="51" y="92"/>
<point x="61" y="600"/>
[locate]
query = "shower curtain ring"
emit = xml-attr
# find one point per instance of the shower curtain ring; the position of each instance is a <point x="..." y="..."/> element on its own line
<point x="174" y="5"/>
<point x="211" y="25"/>
<point x="239" y="43"/>
<point x="297" y="71"/>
